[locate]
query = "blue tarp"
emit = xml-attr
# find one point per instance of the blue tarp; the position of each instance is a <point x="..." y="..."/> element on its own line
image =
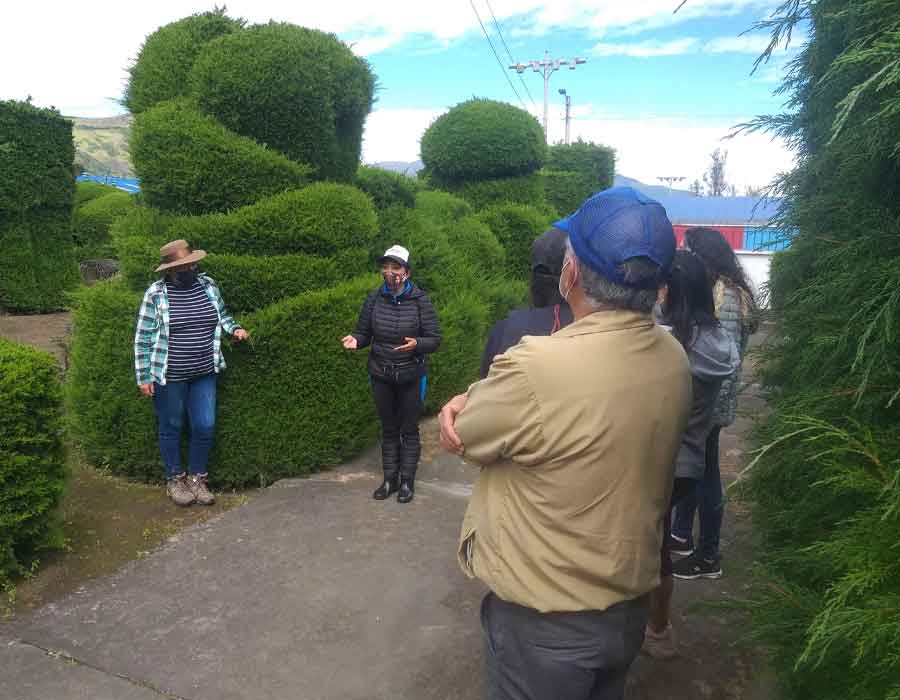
<point x="123" y="183"/>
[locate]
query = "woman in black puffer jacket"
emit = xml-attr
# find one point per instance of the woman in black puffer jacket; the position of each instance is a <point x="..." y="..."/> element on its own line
<point x="399" y="322"/>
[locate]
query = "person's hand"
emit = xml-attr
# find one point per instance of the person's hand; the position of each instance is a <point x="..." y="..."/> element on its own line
<point x="408" y="346"/>
<point x="147" y="389"/>
<point x="241" y="334"/>
<point x="349" y="342"/>
<point x="450" y="439"/>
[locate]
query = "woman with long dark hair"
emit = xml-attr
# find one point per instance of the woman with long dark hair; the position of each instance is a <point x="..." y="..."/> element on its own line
<point x="688" y="312"/>
<point x="735" y="308"/>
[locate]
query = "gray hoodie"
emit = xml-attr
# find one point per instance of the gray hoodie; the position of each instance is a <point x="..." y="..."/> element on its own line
<point x="713" y="357"/>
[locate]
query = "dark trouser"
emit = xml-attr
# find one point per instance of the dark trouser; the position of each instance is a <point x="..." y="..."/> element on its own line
<point x="707" y="498"/>
<point x="399" y="407"/>
<point x="560" y="655"/>
<point x="684" y="488"/>
<point x="197" y="397"/>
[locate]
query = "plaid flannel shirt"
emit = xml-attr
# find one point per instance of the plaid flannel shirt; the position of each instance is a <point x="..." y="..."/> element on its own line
<point x="151" y="338"/>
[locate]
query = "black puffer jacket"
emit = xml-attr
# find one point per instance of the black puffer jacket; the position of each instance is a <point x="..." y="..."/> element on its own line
<point x="384" y="322"/>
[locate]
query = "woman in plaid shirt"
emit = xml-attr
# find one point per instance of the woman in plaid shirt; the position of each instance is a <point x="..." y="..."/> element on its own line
<point x="177" y="356"/>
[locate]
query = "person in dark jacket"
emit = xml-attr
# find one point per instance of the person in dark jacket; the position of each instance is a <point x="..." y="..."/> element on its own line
<point x="548" y="311"/>
<point x="689" y="313"/>
<point x="399" y="323"/>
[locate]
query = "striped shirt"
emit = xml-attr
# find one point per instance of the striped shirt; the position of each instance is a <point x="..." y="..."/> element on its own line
<point x="192" y="327"/>
<point x="151" y="335"/>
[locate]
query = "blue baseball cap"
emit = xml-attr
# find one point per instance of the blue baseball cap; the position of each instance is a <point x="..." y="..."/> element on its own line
<point x="616" y="225"/>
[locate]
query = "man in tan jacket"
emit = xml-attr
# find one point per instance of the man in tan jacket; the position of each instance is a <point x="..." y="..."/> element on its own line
<point x="577" y="435"/>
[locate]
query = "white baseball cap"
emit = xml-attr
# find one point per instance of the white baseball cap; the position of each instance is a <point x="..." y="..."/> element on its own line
<point x="397" y="253"/>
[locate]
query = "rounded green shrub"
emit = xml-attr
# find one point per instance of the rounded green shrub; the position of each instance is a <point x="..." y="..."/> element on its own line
<point x="516" y="226"/>
<point x="113" y="423"/>
<point x="188" y="163"/>
<point x="137" y="237"/>
<point x="596" y="162"/>
<point x="32" y="461"/>
<point x="479" y="245"/>
<point x="523" y="189"/>
<point x="386" y="188"/>
<point x="321" y="219"/>
<point x="250" y="282"/>
<point x="85" y="191"/>
<point x="299" y="91"/>
<point x="481" y="139"/>
<point x="167" y="56"/>
<point x="441" y="207"/>
<point x="91" y="223"/>
<point x="565" y="190"/>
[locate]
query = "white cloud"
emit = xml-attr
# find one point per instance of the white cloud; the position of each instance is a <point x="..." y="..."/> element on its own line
<point x="394" y="134"/>
<point x="746" y="43"/>
<point x="651" y="146"/>
<point x="74" y="55"/>
<point x="647" y="49"/>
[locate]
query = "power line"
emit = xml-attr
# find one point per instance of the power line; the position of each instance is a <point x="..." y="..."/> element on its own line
<point x="508" y="52"/>
<point x="494" y="51"/>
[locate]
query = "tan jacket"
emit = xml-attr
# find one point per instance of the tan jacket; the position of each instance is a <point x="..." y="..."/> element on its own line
<point x="577" y="433"/>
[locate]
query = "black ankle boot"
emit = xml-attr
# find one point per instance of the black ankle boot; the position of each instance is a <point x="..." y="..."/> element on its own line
<point x="406" y="490"/>
<point x="388" y="486"/>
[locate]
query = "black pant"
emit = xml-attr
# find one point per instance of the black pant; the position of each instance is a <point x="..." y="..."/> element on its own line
<point x="399" y="407"/>
<point x="560" y="655"/>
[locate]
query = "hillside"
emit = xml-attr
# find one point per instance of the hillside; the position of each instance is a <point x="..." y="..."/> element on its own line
<point x="101" y="145"/>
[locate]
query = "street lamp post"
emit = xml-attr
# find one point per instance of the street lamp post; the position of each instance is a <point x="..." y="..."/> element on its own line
<point x="547" y="66"/>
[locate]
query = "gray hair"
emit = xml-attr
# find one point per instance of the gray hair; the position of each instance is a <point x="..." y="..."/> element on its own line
<point x="602" y="293"/>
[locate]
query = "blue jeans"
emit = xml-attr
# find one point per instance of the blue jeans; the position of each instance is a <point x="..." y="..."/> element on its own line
<point x="198" y="397"/>
<point x="707" y="499"/>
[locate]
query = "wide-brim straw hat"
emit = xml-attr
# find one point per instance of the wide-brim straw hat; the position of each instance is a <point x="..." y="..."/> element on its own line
<point x="176" y="254"/>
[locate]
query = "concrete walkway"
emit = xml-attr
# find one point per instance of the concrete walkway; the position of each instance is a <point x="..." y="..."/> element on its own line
<point x="314" y="591"/>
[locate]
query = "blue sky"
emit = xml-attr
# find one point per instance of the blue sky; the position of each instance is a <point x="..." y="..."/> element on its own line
<point x="661" y="88"/>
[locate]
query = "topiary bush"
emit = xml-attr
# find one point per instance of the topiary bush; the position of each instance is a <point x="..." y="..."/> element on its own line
<point x="189" y="163"/>
<point x="251" y="282"/>
<point x="576" y="171"/>
<point x="36" y="189"/>
<point x="523" y="189"/>
<point x="516" y="226"/>
<point x="480" y="244"/>
<point x="91" y="223"/>
<point x="441" y="207"/>
<point x="483" y="139"/>
<point x="32" y="463"/>
<point x="165" y="60"/>
<point x="386" y="188"/>
<point x="86" y="190"/>
<point x="299" y="91"/>
<point x="321" y="219"/>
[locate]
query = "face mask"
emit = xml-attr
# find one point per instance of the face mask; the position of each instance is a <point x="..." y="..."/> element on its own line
<point x="185" y="278"/>
<point x="393" y="279"/>
<point x="564" y="294"/>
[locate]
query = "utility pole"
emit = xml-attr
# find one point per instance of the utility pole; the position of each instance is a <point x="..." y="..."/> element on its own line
<point x="547" y="67"/>
<point x="562" y="91"/>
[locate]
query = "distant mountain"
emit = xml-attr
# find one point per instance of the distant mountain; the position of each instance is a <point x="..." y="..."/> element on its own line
<point x="655" y="191"/>
<point x="101" y="145"/>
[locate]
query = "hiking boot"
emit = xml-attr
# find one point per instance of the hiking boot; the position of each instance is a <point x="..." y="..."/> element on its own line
<point x="680" y="545"/>
<point x="201" y="492"/>
<point x="660" y="645"/>
<point x="406" y="490"/>
<point x="178" y="490"/>
<point x="696" y="566"/>
<point x="388" y="486"/>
